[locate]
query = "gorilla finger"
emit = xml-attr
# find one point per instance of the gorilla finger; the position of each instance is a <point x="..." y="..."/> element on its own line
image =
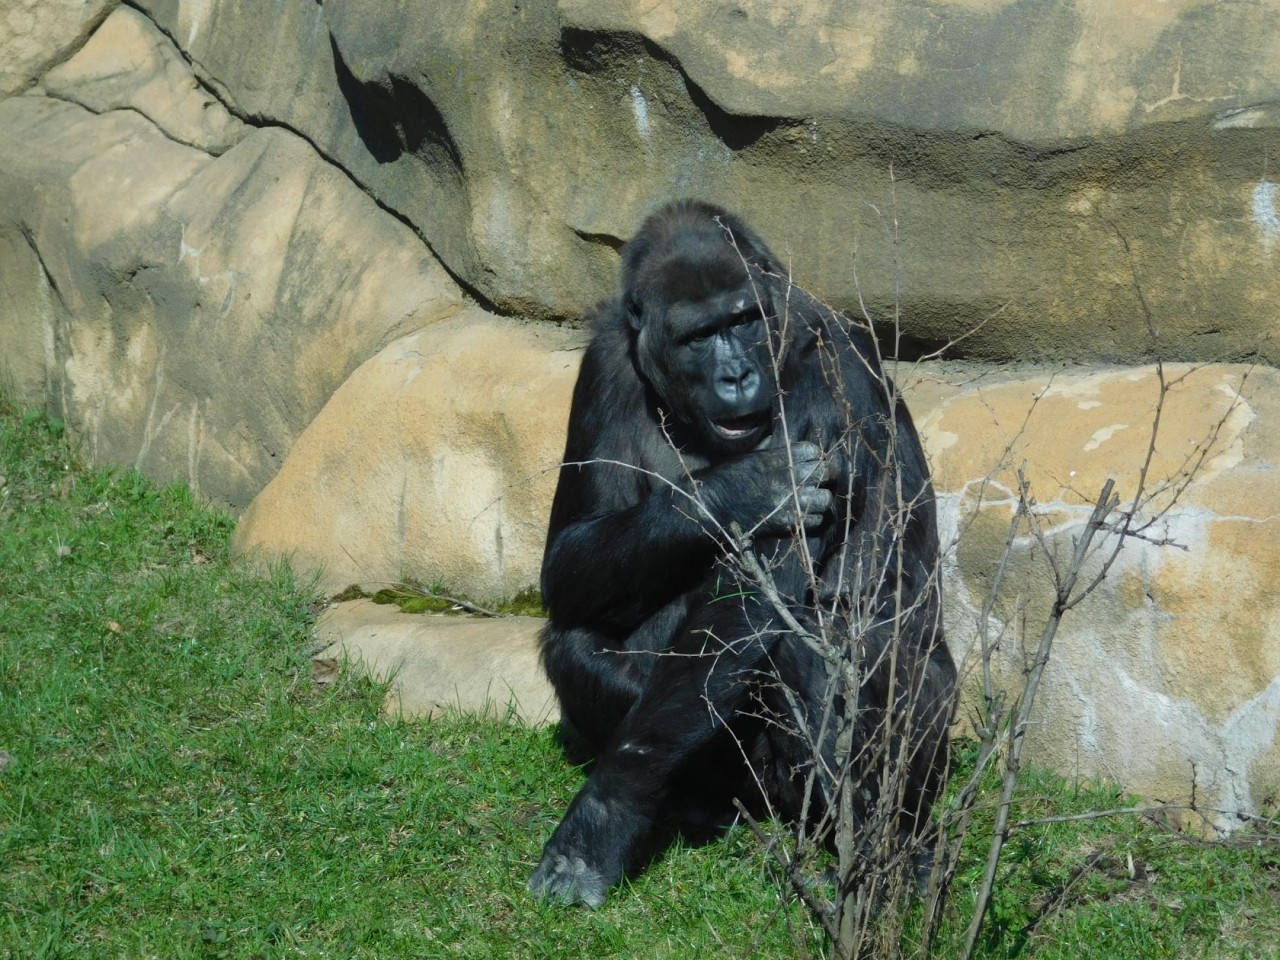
<point x="813" y="473"/>
<point x="804" y="450"/>
<point x="816" y="499"/>
<point x="814" y="506"/>
<point x="809" y="470"/>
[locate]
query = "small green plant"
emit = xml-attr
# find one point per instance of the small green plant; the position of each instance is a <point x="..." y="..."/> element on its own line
<point x="412" y="597"/>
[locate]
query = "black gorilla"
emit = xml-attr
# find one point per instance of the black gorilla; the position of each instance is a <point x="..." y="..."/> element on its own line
<point x="718" y="410"/>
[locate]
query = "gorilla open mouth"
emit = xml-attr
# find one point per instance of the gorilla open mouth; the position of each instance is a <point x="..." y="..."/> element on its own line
<point x="735" y="428"/>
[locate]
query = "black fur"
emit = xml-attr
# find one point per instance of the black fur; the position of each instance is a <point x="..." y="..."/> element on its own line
<point x="665" y="658"/>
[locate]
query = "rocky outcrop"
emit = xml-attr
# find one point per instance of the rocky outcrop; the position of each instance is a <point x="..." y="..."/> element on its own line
<point x="36" y="34"/>
<point x="434" y="462"/>
<point x="186" y="291"/>
<point x="1167" y="678"/>
<point x="129" y="65"/>
<point x="1039" y="169"/>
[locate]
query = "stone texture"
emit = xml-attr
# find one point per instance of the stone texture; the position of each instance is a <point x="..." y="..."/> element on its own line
<point x="434" y="462"/>
<point x="127" y="64"/>
<point x="1024" y="166"/>
<point x="1033" y="71"/>
<point x="35" y="34"/>
<point x="1168" y="676"/>
<point x="438" y="663"/>
<point x="189" y="315"/>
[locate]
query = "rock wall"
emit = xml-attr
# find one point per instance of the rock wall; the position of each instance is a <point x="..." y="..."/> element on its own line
<point x="1032" y="165"/>
<point x="317" y="260"/>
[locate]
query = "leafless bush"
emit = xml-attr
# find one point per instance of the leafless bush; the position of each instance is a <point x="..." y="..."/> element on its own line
<point x="877" y="889"/>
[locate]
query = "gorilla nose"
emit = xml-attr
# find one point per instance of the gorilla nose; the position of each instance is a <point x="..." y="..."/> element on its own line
<point x="738" y="386"/>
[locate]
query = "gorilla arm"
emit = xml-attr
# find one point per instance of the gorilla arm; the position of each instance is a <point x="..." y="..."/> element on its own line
<point x="615" y="568"/>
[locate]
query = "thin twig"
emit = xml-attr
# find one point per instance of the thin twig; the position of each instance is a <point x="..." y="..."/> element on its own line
<point x="795" y="876"/>
<point x="1105" y="504"/>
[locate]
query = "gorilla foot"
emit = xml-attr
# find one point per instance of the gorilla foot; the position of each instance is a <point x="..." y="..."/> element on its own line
<point x="568" y="879"/>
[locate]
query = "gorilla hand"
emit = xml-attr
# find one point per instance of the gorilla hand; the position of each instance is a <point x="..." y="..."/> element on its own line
<point x="770" y="492"/>
<point x="588" y="852"/>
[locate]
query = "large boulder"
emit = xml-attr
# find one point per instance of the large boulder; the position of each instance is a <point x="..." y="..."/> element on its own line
<point x="434" y="462"/>
<point x="1166" y="679"/>
<point x="188" y="292"/>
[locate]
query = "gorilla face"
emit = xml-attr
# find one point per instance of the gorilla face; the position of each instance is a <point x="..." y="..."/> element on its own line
<point x="709" y="362"/>
<point x="698" y="298"/>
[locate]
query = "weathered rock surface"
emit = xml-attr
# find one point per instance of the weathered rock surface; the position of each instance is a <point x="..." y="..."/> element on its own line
<point x="1167" y="679"/>
<point x="188" y="314"/>
<point x="1039" y="168"/>
<point x="127" y="64"/>
<point x="435" y="462"/>
<point x="36" y="34"/>
<point x="437" y="664"/>
<point x="1033" y="71"/>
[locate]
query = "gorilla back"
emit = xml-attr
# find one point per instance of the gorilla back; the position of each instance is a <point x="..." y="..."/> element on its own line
<point x="743" y="536"/>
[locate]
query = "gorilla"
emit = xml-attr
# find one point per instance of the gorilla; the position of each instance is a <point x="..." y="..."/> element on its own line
<point x="743" y="522"/>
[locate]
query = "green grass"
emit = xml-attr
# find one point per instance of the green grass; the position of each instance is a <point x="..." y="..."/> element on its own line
<point x="173" y="784"/>
<point x="1117" y="887"/>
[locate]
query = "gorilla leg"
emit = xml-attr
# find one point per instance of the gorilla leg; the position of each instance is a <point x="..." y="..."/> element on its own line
<point x="693" y="694"/>
<point x="599" y="678"/>
<point x="596" y="682"/>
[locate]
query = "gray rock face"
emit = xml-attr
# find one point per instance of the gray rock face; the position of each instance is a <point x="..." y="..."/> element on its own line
<point x="1048" y="171"/>
<point x="188" y="312"/>
<point x="127" y="64"/>
<point x="36" y="34"/>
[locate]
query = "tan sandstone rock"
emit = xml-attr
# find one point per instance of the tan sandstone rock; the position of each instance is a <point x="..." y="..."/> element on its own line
<point x="127" y="64"/>
<point x="189" y="314"/>
<point x="1039" y="170"/>
<point x="434" y="462"/>
<point x="437" y="664"/>
<point x="34" y="34"/>
<point x="1167" y="679"/>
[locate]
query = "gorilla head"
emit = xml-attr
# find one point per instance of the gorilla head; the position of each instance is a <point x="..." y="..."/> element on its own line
<point x="696" y="289"/>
